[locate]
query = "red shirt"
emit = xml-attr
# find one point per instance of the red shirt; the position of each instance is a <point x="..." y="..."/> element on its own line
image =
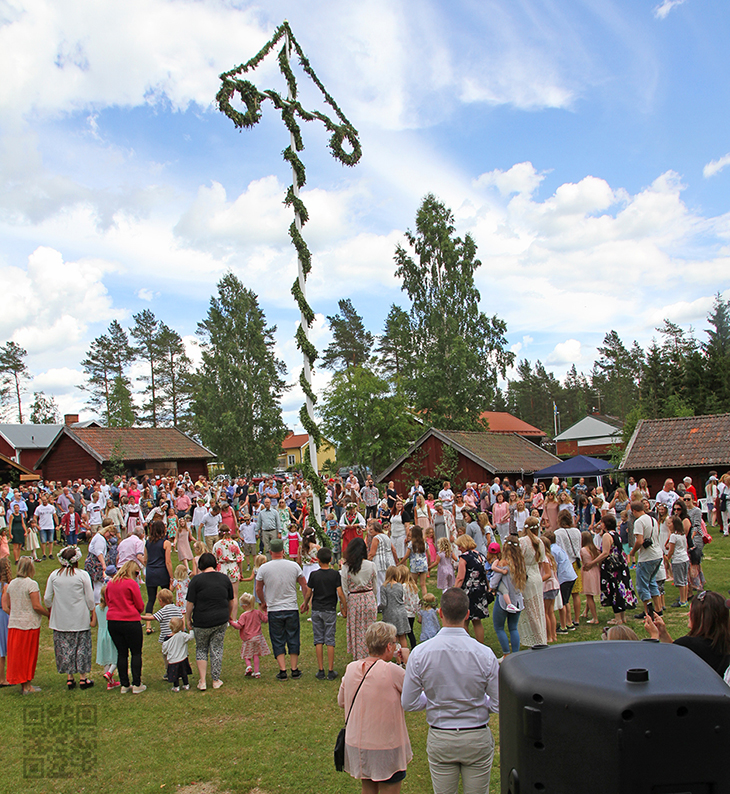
<point x="124" y="600"/>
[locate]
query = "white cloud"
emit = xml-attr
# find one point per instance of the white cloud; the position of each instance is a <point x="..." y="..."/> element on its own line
<point x="521" y="178"/>
<point x="145" y="294"/>
<point x="58" y="380"/>
<point x="568" y="352"/>
<point x="662" y="10"/>
<point x="51" y="302"/>
<point x="684" y="312"/>
<point x="715" y="166"/>
<point x="59" y="56"/>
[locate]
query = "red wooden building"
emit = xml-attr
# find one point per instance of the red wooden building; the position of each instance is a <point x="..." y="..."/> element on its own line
<point x="81" y="452"/>
<point x="679" y="447"/>
<point x="481" y="457"/>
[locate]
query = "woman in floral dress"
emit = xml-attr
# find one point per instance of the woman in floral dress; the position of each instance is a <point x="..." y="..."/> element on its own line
<point x="617" y="591"/>
<point x="228" y="557"/>
<point x="359" y="578"/>
<point x="472" y="578"/>
<point x="532" y="623"/>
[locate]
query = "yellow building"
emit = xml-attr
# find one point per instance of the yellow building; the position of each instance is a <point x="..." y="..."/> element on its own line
<point x="295" y="447"/>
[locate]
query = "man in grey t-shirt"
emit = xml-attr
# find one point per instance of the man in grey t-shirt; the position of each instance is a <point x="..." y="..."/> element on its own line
<point x="648" y="557"/>
<point x="276" y="587"/>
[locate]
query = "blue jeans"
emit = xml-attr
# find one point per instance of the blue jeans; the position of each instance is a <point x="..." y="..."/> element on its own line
<point x="284" y="631"/>
<point x="498" y="618"/>
<point x="646" y="586"/>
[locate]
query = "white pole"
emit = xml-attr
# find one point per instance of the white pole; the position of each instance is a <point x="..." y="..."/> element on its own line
<point x="316" y="508"/>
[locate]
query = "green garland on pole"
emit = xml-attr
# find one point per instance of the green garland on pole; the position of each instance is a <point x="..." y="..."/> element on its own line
<point x="342" y="134"/>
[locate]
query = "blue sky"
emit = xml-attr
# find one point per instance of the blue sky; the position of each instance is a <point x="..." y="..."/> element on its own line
<point x="583" y="144"/>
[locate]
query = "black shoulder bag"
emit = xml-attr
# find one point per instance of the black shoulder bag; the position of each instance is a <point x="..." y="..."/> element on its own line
<point x="340" y="742"/>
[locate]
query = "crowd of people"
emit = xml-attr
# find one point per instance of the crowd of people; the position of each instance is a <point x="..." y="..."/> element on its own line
<point x="542" y="556"/>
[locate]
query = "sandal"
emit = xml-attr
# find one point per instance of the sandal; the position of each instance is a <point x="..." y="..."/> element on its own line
<point x="203" y="687"/>
<point x="149" y="631"/>
<point x="86" y="683"/>
<point x="71" y="683"/>
<point x="593" y="622"/>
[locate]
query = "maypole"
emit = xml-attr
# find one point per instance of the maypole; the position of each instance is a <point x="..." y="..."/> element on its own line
<point x="341" y="131"/>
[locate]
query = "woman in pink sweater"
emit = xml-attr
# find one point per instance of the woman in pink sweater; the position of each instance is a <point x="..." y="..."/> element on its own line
<point x="124" y="607"/>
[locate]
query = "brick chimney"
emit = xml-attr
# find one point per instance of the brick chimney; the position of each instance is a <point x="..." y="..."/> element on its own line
<point x="70" y="419"/>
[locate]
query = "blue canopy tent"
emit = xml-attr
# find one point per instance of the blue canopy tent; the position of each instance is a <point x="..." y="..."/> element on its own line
<point x="579" y="466"/>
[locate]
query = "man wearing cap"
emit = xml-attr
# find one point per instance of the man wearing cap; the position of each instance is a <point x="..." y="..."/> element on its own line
<point x="455" y="679"/>
<point x="268" y="526"/>
<point x="276" y="587"/>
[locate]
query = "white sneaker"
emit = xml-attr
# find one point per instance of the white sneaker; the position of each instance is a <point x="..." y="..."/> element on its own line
<point x="125" y="689"/>
<point x="138" y="690"/>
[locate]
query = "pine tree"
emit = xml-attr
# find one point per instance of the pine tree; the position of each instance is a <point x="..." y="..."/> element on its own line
<point x="458" y="351"/>
<point x="106" y="360"/>
<point x="717" y="352"/>
<point x="14" y="372"/>
<point x="238" y="388"/>
<point x="174" y="379"/>
<point x="616" y="376"/>
<point x="351" y="342"/>
<point x="146" y="330"/>
<point x="44" y="410"/>
<point x="121" y="410"/>
<point x="395" y="346"/>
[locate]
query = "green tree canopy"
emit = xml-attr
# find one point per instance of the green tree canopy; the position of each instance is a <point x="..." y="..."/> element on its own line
<point x="458" y="351"/>
<point x="395" y="345"/>
<point x="44" y="410"/>
<point x="146" y="330"/>
<point x="238" y="389"/>
<point x="370" y="425"/>
<point x="351" y="342"/>
<point x="14" y="373"/>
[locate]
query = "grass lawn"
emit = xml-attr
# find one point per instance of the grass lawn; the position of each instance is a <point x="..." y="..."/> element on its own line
<point x="260" y="736"/>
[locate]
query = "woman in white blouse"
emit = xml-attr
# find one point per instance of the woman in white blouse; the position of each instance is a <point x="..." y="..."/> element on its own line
<point x="70" y="596"/>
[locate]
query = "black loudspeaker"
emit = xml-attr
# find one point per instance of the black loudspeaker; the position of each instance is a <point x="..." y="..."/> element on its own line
<point x="615" y="717"/>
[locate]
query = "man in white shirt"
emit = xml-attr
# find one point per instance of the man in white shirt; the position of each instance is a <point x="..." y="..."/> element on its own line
<point x="455" y="678"/>
<point x="210" y="526"/>
<point x="667" y="496"/>
<point x="494" y="489"/>
<point x="648" y="558"/>
<point x="631" y="487"/>
<point x="94" y="513"/>
<point x="47" y="523"/>
<point x="446" y="495"/>
<point x="200" y="512"/>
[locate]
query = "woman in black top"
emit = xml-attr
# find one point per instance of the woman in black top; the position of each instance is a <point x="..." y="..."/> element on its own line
<point x="709" y="630"/>
<point x="210" y="605"/>
<point x="158" y="562"/>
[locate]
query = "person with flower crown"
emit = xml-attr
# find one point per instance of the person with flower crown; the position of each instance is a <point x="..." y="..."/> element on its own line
<point x="70" y="597"/>
<point x="353" y="525"/>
